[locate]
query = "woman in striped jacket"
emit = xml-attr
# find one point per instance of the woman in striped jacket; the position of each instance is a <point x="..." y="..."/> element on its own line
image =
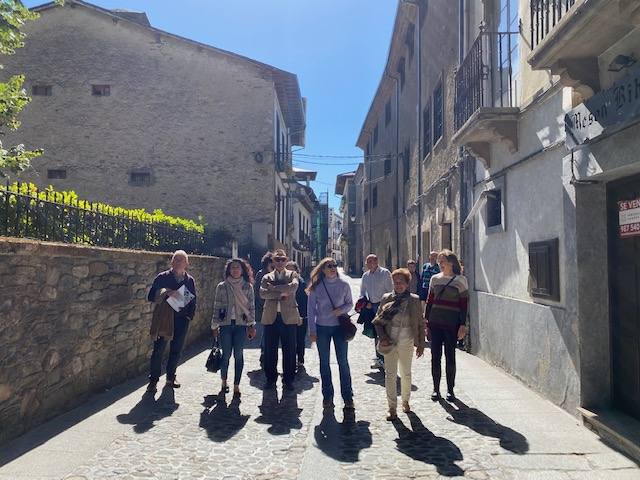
<point x="446" y="315"/>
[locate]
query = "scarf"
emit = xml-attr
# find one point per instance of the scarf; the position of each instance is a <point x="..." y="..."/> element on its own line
<point x="399" y="301"/>
<point x="240" y="299"/>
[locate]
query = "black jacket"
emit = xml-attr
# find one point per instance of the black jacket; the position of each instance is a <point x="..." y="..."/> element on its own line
<point x="168" y="280"/>
<point x="301" y="298"/>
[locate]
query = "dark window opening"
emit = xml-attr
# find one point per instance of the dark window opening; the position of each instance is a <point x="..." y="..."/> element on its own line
<point x="374" y="200"/>
<point x="406" y="161"/>
<point x="140" y="179"/>
<point x="426" y="127"/>
<point x="57" y="173"/>
<point x="401" y="73"/>
<point x="387" y="166"/>
<point x="446" y="236"/>
<point x="375" y="135"/>
<point x="410" y="41"/>
<point x="42" y="90"/>
<point x="438" y="118"/>
<point x="544" y="272"/>
<point x="494" y="208"/>
<point x="366" y="205"/>
<point x="101" y="90"/>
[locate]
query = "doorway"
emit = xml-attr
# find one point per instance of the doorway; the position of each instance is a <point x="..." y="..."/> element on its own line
<point x="624" y="291"/>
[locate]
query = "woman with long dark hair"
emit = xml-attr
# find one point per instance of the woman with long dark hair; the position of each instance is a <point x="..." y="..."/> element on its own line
<point x="330" y="297"/>
<point x="234" y="318"/>
<point x="446" y="315"/>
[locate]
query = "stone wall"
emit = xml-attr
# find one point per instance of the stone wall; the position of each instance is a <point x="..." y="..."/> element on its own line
<point x="75" y="320"/>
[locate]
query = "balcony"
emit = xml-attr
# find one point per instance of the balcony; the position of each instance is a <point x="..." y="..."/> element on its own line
<point x="487" y="95"/>
<point x="568" y="36"/>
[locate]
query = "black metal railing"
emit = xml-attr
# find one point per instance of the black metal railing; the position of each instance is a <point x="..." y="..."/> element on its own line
<point x="44" y="215"/>
<point x="545" y="14"/>
<point x="487" y="77"/>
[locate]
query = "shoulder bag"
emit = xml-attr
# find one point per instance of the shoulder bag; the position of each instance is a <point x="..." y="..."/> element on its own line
<point x="346" y="326"/>
<point x="214" y="361"/>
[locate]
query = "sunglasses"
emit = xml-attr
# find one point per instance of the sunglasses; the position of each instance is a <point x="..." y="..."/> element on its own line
<point x="331" y="265"/>
<point x="279" y="260"/>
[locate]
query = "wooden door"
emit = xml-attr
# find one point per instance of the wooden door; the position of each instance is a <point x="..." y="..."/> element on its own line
<point x="624" y="283"/>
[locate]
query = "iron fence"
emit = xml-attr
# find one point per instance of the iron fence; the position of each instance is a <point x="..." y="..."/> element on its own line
<point x="544" y="15"/>
<point x="488" y="75"/>
<point x="40" y="215"/>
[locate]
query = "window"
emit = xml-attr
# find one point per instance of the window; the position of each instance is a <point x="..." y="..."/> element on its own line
<point x="401" y="73"/>
<point x="374" y="200"/>
<point x="57" y="173"/>
<point x="438" y="119"/>
<point x="101" y="90"/>
<point x="410" y="41"/>
<point x="494" y="208"/>
<point x="426" y="130"/>
<point x="387" y="166"/>
<point x="544" y="275"/>
<point x="140" y="179"/>
<point x="41" y="90"/>
<point x="406" y="163"/>
<point x="366" y="205"/>
<point x="446" y="236"/>
<point x="414" y="247"/>
<point x="375" y="135"/>
<point x="387" y="113"/>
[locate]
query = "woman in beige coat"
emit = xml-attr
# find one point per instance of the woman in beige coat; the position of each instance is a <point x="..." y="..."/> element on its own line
<point x="400" y="327"/>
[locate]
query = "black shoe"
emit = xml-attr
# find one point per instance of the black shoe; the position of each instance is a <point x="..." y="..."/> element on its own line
<point x="224" y="389"/>
<point x="451" y="397"/>
<point x="153" y="386"/>
<point x="435" y="396"/>
<point x="173" y="384"/>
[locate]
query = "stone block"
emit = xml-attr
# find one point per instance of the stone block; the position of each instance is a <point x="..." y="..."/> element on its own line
<point x="5" y="392"/>
<point x="98" y="268"/>
<point x="52" y="276"/>
<point x="29" y="403"/>
<point x="51" y="360"/>
<point x="50" y="293"/>
<point x="80" y="271"/>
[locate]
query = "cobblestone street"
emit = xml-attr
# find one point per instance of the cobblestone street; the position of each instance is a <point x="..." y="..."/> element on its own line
<point x="497" y="430"/>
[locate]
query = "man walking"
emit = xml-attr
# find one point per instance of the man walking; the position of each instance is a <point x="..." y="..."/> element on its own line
<point x="280" y="318"/>
<point x="171" y="323"/>
<point x="376" y="281"/>
<point x="429" y="269"/>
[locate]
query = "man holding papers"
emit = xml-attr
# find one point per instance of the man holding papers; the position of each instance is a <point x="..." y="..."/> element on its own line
<point x="173" y="291"/>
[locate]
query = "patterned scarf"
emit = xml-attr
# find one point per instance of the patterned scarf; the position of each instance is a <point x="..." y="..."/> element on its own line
<point x="240" y="299"/>
<point x="399" y="301"/>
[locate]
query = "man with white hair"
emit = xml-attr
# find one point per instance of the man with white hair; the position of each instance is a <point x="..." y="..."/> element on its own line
<point x="166" y="285"/>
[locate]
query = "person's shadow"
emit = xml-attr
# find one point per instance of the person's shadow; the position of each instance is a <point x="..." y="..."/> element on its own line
<point x="342" y="441"/>
<point x="148" y="410"/>
<point x="223" y="421"/>
<point x="377" y="378"/>
<point x="483" y="424"/>
<point x="422" y="445"/>
<point x="281" y="415"/>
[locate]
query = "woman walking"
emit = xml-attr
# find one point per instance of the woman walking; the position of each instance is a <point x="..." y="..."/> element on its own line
<point x="446" y="315"/>
<point x="330" y="297"/>
<point x="234" y="318"/>
<point x="301" y="300"/>
<point x="400" y="327"/>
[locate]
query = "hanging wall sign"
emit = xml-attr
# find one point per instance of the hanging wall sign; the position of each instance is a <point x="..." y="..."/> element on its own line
<point x="605" y="112"/>
<point x="629" y="215"/>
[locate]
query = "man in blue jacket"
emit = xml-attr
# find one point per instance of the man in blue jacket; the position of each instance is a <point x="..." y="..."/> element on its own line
<point x="166" y="285"/>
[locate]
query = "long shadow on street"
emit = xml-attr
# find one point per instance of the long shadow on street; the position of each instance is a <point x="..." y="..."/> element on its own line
<point x="148" y="410"/>
<point x="484" y="425"/>
<point x="342" y="441"/>
<point x="283" y="415"/>
<point x="223" y="421"/>
<point x="422" y="445"/>
<point x="377" y="378"/>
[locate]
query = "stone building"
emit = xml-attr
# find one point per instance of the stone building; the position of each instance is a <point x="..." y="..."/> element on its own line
<point x="350" y="187"/>
<point x="548" y="103"/>
<point x="304" y="207"/>
<point x="412" y="169"/>
<point x="135" y="116"/>
<point x="335" y="233"/>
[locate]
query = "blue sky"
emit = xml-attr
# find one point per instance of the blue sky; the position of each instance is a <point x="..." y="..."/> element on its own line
<point x="337" y="48"/>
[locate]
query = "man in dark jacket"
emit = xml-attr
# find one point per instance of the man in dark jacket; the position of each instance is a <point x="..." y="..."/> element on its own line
<point x="165" y="286"/>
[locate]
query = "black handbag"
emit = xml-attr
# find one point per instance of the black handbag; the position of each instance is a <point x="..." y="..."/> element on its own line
<point x="214" y="361"/>
<point x="347" y="327"/>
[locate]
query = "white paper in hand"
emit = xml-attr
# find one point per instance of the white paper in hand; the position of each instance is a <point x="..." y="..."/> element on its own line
<point x="181" y="299"/>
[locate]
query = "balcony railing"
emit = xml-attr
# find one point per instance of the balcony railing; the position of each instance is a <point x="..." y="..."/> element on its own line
<point x="488" y="76"/>
<point x="545" y="14"/>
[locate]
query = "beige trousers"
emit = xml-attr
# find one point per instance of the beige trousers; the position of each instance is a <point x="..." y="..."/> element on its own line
<point x="399" y="359"/>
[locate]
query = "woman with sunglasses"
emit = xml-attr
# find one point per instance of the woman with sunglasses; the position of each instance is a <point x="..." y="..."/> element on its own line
<point x="330" y="297"/>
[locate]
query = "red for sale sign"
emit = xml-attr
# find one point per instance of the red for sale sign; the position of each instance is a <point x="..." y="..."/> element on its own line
<point x="629" y="215"/>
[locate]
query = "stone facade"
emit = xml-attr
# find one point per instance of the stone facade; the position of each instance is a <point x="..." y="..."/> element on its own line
<point x="184" y="127"/>
<point x="76" y="320"/>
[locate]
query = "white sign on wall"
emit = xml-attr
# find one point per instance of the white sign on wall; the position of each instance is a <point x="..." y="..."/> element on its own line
<point x="629" y="217"/>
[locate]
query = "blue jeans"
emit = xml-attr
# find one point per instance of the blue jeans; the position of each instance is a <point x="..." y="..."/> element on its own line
<point x="232" y="341"/>
<point x="325" y="335"/>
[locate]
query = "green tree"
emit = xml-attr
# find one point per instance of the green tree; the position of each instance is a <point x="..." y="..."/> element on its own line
<point x="13" y="97"/>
